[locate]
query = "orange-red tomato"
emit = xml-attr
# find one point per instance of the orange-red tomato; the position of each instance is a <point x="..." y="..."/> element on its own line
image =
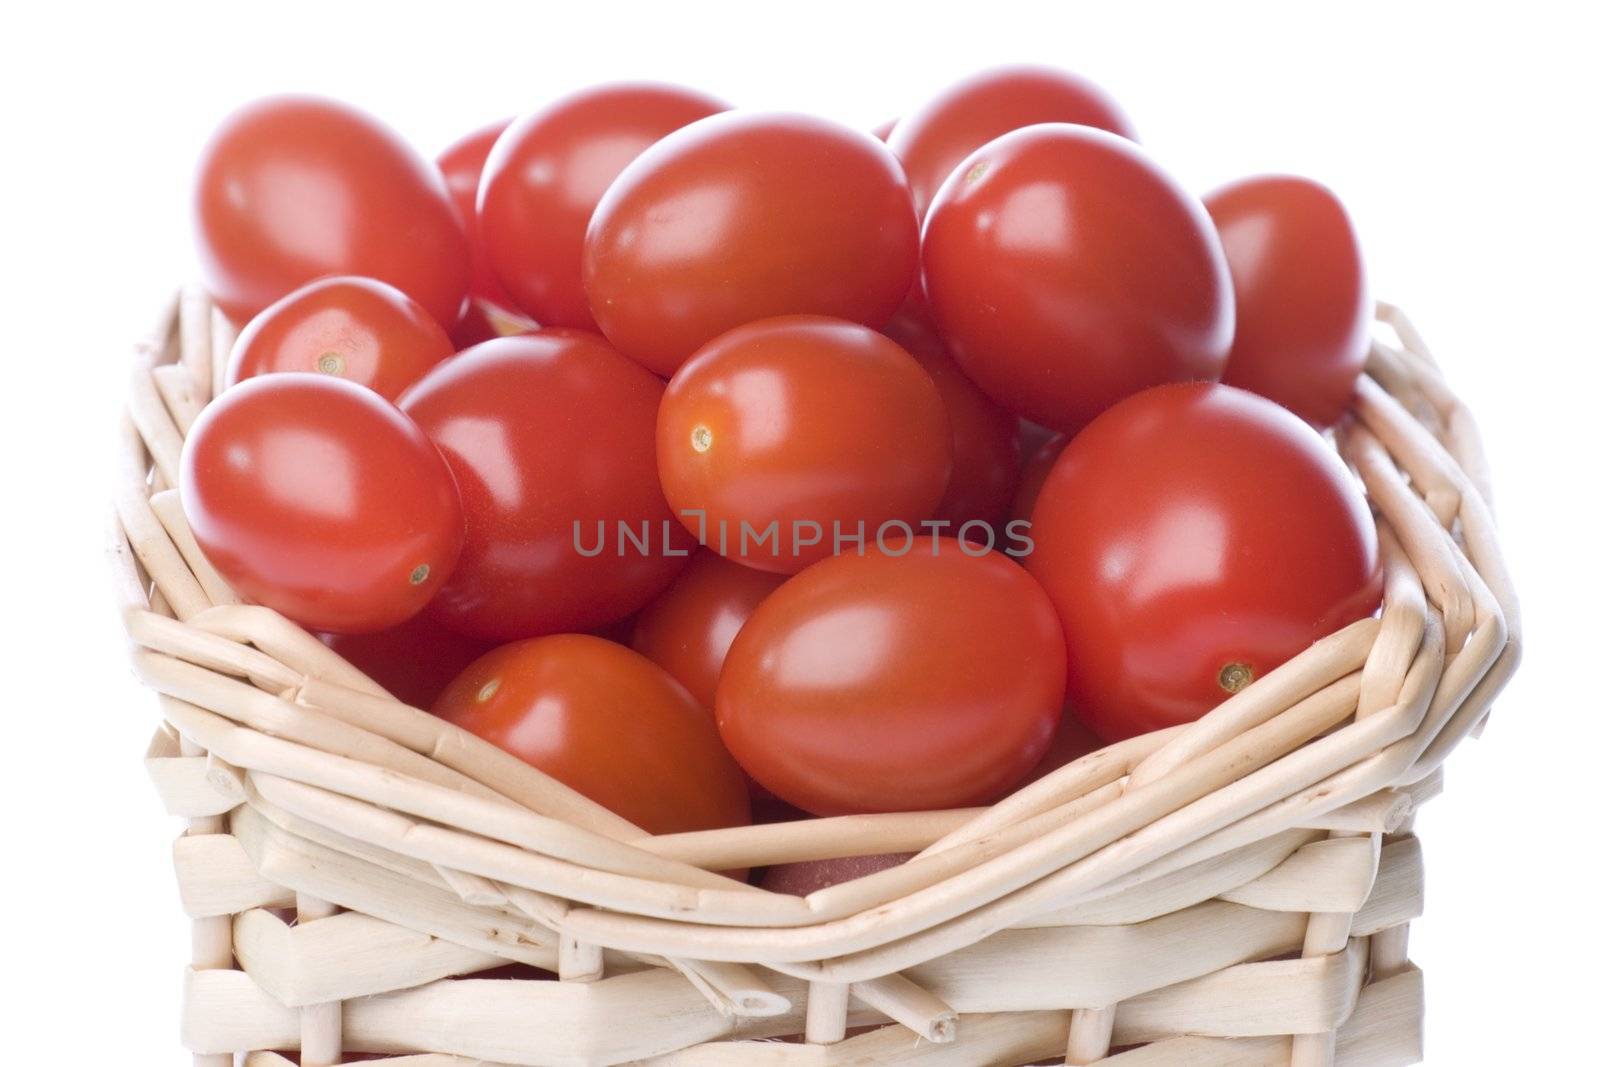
<point x="291" y="188"/>
<point x="688" y="629"/>
<point x="462" y="167"/>
<point x="1300" y="287"/>
<point x="545" y="176"/>
<point x="316" y="497"/>
<point x="785" y="431"/>
<point x="932" y="679"/>
<point x="359" y="329"/>
<point x="607" y="722"/>
<point x="1066" y="271"/>
<point x="1193" y="538"/>
<point x="985" y="439"/>
<point x="551" y="438"/>
<point x="745" y="216"/>
<point x="933" y="140"/>
<point x="413" y="661"/>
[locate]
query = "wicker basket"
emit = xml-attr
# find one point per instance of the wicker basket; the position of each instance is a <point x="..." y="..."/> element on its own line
<point x="1236" y="891"/>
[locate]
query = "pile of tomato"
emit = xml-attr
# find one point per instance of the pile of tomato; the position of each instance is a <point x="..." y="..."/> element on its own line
<point x="693" y="454"/>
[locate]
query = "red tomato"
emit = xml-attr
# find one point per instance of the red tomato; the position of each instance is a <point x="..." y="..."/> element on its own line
<point x="1300" y="288"/>
<point x="788" y="429"/>
<point x="985" y="445"/>
<point x="315" y="497"/>
<point x="1193" y="538"/>
<point x="291" y="188"/>
<point x="413" y="661"/>
<point x="745" y="216"/>
<point x="550" y="437"/>
<point x="462" y="166"/>
<point x="933" y="140"/>
<point x="607" y="722"/>
<point x="359" y="329"/>
<point x="546" y="175"/>
<point x="1066" y="271"/>
<point x="687" y="629"/>
<point x="1034" y="472"/>
<point x="883" y="129"/>
<point x="803" y="879"/>
<point x="932" y="679"/>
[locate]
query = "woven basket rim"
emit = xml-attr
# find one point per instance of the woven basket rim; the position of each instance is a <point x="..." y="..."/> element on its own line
<point x="313" y="758"/>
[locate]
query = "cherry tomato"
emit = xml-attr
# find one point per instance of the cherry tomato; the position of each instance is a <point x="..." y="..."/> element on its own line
<point x="1300" y="288"/>
<point x="933" y="140"/>
<point x="687" y="629"/>
<point x="986" y="457"/>
<point x="462" y="167"/>
<point x="1193" y="538"/>
<point x="745" y="216"/>
<point x="883" y="129"/>
<point x="546" y="175"/>
<point x="1034" y="472"/>
<point x="787" y="430"/>
<point x="803" y="879"/>
<point x="291" y="188"/>
<point x="1066" y="271"/>
<point x="413" y="661"/>
<point x="359" y="329"/>
<point x="931" y="679"/>
<point x="550" y="438"/>
<point x="607" y="722"/>
<point x="315" y="497"/>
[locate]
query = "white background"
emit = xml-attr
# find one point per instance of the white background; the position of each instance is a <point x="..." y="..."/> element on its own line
<point x="1463" y="146"/>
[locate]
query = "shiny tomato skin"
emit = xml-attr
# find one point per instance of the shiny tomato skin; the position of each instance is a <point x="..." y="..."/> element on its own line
<point x="291" y="188"/>
<point x="1066" y="271"/>
<point x="607" y="722"/>
<point x="1072" y="742"/>
<point x="745" y="216"/>
<point x="800" y="419"/>
<point x="413" y="661"/>
<point x="543" y="180"/>
<point x="985" y="439"/>
<point x="870" y="683"/>
<point x="933" y="140"/>
<point x="315" y="497"/>
<point x="1304" y="306"/>
<point x="462" y="167"/>
<point x="1193" y="538"/>
<point x="485" y="322"/>
<point x="688" y="629"/>
<point x="359" y="329"/>
<point x="543" y="431"/>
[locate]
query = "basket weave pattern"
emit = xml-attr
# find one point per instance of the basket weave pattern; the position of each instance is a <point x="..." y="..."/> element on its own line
<point x="1235" y="891"/>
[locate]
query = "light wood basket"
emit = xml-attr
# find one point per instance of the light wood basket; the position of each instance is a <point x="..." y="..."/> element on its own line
<point x="1233" y="892"/>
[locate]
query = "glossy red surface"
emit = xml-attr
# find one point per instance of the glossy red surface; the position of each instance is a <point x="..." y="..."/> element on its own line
<point x="291" y="188"/>
<point x="607" y="722"/>
<point x="544" y="431"/>
<point x="315" y="497"/>
<point x="880" y="683"/>
<point x="721" y="223"/>
<point x="800" y="419"/>
<point x="358" y="329"/>
<point x="1300" y="285"/>
<point x="1194" y="537"/>
<point x="1066" y="271"/>
<point x="543" y="180"/>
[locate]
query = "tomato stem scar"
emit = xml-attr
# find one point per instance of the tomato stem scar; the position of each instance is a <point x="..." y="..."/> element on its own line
<point x="1235" y="676"/>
